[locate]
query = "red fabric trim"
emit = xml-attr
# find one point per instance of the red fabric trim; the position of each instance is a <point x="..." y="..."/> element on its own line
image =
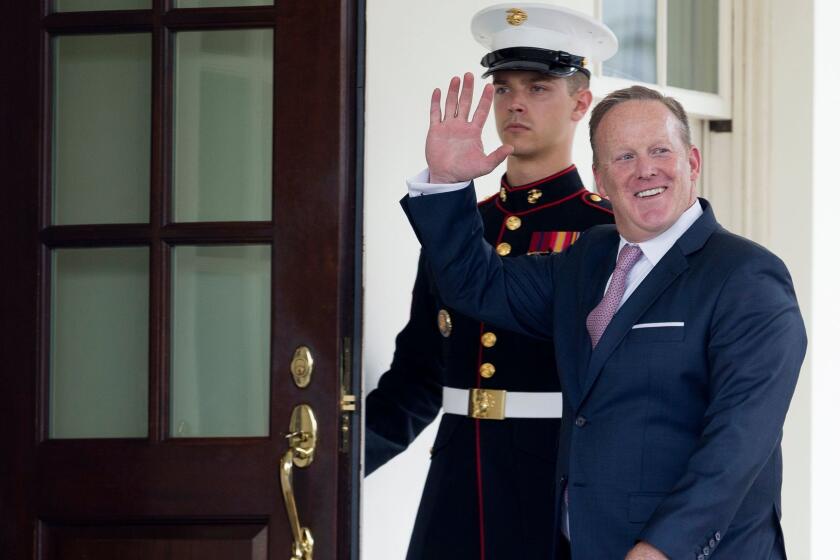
<point x="478" y="482"/>
<point x="540" y="182"/>
<point x="588" y="202"/>
<point x="488" y="200"/>
<point x="549" y="205"/>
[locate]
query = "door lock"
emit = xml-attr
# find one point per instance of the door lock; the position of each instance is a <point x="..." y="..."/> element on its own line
<point x="302" y="366"/>
<point x="303" y="437"/>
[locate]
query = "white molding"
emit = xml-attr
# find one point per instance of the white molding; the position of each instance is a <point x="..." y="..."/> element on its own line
<point x="750" y="106"/>
<point x="696" y="103"/>
<point x="662" y="43"/>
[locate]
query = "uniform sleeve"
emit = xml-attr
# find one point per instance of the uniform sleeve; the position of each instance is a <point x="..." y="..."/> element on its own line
<point x="756" y="347"/>
<point x="516" y="294"/>
<point x="408" y="396"/>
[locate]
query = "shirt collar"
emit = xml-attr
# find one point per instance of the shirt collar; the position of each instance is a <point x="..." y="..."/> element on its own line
<point x="654" y="249"/>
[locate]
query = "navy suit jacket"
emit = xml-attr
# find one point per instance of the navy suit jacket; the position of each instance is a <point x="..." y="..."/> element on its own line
<point x="673" y="423"/>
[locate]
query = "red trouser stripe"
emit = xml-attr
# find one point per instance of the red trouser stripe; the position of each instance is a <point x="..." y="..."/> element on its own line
<point x="478" y="481"/>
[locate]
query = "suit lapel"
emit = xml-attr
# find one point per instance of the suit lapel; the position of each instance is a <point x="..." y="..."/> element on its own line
<point x="657" y="281"/>
<point x="593" y="293"/>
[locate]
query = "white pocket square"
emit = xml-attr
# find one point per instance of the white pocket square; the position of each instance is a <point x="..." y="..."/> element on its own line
<point x="658" y="325"/>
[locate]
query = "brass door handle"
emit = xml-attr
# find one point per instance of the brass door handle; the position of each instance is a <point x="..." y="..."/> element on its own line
<point x="303" y="437"/>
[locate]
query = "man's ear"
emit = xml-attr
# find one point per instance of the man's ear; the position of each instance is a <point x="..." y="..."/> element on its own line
<point x="598" y="183"/>
<point x="583" y="99"/>
<point x="694" y="162"/>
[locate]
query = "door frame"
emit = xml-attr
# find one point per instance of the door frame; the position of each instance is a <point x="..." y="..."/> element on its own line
<point x="23" y="114"/>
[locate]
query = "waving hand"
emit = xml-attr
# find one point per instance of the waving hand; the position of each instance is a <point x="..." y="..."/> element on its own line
<point x="454" y="152"/>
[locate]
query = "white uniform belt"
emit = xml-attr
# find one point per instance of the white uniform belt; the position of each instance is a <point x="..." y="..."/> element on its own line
<point x="498" y="404"/>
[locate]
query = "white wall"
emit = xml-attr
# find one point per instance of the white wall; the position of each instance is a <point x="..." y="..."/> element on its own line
<point x="825" y="325"/>
<point x="412" y="48"/>
<point x="789" y="206"/>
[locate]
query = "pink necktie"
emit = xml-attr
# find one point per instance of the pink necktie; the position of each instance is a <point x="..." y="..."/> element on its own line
<point x="600" y="317"/>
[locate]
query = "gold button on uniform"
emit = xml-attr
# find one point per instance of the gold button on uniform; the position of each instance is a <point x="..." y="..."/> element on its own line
<point x="594" y="198"/>
<point x="503" y="249"/>
<point x="444" y="321"/>
<point x="488" y="339"/>
<point x="513" y="223"/>
<point x="487" y="370"/>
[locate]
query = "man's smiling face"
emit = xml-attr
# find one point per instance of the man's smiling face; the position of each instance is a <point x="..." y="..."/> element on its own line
<point x="644" y="168"/>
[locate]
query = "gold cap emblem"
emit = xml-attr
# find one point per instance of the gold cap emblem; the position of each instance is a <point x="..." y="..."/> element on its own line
<point x="444" y="323"/>
<point x="515" y="16"/>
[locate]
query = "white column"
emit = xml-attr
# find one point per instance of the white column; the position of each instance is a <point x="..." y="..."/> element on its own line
<point x="825" y="327"/>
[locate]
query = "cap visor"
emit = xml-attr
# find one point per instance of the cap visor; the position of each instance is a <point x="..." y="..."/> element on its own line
<point x="541" y="67"/>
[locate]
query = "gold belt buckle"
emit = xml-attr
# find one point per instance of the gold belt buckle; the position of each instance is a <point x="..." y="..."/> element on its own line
<point x="487" y="404"/>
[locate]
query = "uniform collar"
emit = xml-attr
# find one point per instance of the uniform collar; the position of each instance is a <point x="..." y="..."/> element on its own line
<point x="546" y="191"/>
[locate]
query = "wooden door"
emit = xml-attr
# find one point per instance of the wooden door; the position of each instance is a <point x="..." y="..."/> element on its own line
<point x="177" y="217"/>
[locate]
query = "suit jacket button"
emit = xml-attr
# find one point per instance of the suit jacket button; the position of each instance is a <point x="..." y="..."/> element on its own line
<point x="580" y="421"/>
<point x="712" y="543"/>
<point x="701" y="557"/>
<point x="706" y="550"/>
<point x="717" y="536"/>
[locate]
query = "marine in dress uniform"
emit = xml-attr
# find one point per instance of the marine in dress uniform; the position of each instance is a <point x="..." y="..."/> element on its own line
<point x="489" y="493"/>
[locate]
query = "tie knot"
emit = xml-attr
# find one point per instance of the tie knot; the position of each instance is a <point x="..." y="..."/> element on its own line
<point x="627" y="257"/>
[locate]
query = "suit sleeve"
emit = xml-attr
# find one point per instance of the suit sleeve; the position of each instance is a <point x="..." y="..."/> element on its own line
<point x="515" y="294"/>
<point x="756" y="347"/>
<point x="408" y="396"/>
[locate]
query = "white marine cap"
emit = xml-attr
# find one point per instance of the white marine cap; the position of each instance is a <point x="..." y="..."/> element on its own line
<point x="541" y="37"/>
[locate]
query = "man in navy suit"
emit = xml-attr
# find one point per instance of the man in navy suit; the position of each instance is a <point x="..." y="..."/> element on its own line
<point x="678" y="345"/>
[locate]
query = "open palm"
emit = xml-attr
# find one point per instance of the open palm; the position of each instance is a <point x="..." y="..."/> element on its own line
<point x="454" y="151"/>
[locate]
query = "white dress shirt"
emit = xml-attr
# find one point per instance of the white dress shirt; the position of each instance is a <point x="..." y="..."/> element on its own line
<point x="654" y="249"/>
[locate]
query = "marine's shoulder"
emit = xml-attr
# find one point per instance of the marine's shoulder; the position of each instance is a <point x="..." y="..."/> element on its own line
<point x="596" y="203"/>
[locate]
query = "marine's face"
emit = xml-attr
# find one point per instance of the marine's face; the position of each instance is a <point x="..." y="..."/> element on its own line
<point x="535" y="112"/>
<point x="644" y="168"/>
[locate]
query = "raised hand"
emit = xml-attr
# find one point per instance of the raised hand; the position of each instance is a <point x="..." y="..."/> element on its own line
<point x="454" y="152"/>
<point x="644" y="551"/>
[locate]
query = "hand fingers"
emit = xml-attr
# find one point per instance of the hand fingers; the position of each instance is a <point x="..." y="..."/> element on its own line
<point x="434" y="109"/>
<point x="497" y="156"/>
<point x="452" y="98"/>
<point x="484" y="104"/>
<point x="465" y="101"/>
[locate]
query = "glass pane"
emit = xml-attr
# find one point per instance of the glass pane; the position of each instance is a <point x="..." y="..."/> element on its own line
<point x="634" y="23"/>
<point x="693" y="44"/>
<point x="220" y="341"/>
<point x="101" y="128"/>
<point x="223" y="125"/>
<point x="220" y="3"/>
<point x="99" y="350"/>
<point x="101" y="5"/>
